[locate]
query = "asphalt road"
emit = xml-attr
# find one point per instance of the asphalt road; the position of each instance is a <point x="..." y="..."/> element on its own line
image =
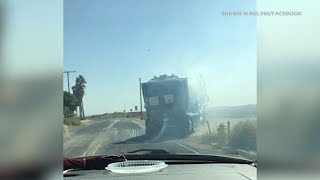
<point x="122" y="135"/>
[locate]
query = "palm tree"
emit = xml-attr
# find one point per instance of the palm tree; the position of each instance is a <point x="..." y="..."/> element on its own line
<point x="78" y="91"/>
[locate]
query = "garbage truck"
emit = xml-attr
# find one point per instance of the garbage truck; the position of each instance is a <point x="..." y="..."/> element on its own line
<point x="172" y="107"/>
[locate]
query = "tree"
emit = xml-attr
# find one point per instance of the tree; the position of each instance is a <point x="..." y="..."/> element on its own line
<point x="79" y="92"/>
<point x="70" y="103"/>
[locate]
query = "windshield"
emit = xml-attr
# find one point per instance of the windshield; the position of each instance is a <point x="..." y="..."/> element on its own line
<point x="158" y="77"/>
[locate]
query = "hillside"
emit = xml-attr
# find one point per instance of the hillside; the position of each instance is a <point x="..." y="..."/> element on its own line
<point x="242" y="111"/>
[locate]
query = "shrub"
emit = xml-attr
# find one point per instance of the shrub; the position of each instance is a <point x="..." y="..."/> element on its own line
<point x="76" y="122"/>
<point x="72" y="121"/>
<point x="207" y="138"/>
<point x="243" y="136"/>
<point x="220" y="139"/>
<point x="221" y="136"/>
<point x="67" y="122"/>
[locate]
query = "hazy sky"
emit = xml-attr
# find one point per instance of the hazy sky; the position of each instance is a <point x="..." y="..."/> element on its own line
<point x="113" y="43"/>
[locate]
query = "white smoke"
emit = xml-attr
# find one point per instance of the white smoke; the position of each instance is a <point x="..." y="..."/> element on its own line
<point x="197" y="86"/>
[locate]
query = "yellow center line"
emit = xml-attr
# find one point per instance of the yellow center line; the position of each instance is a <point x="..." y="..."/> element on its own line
<point x="95" y="150"/>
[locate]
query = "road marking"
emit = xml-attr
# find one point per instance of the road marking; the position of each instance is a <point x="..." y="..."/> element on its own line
<point x="95" y="150"/>
<point x="138" y="122"/>
<point x="90" y="150"/>
<point x="71" y="145"/>
<point x="111" y="125"/>
<point x="187" y="148"/>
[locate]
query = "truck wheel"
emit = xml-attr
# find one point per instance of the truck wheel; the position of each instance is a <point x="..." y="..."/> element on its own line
<point x="148" y="128"/>
<point x="187" y="129"/>
<point x="193" y="128"/>
<point x="148" y="132"/>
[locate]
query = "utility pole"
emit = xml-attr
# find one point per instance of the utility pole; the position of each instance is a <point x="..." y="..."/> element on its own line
<point x="68" y="78"/>
<point x="140" y="97"/>
<point x="228" y="131"/>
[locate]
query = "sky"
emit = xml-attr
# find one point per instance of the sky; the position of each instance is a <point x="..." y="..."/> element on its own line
<point x="113" y="43"/>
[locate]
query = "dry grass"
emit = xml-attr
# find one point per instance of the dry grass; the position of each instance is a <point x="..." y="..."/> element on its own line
<point x="72" y="121"/>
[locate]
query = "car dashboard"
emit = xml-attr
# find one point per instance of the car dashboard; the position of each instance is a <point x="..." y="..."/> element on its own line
<point x="217" y="171"/>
